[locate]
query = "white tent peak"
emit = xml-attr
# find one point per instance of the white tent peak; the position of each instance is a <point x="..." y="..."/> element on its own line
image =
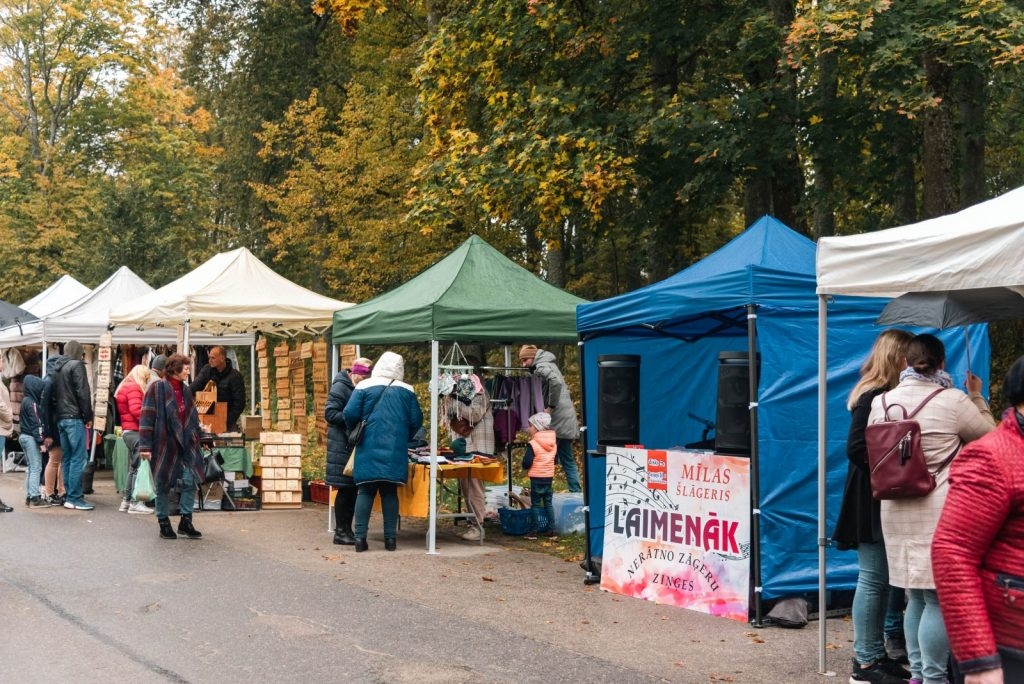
<point x="122" y="285"/>
<point x="980" y="246"/>
<point x="62" y="292"/>
<point x="232" y="292"/>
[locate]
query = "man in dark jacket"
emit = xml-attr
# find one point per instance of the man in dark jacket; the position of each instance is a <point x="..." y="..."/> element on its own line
<point x="71" y="407"/>
<point x="230" y="385"/>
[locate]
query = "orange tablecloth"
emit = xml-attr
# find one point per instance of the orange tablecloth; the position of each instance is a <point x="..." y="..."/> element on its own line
<point x="414" y="497"/>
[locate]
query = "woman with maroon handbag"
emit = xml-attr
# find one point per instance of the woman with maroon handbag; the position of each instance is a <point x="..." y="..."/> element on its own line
<point x="978" y="550"/>
<point x="947" y="420"/>
<point x="859" y="525"/>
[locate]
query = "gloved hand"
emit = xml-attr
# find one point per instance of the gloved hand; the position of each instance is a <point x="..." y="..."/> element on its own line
<point x="464" y="400"/>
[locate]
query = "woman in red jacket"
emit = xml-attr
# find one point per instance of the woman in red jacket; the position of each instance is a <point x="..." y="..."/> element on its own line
<point x="129" y="396"/>
<point x="978" y="549"/>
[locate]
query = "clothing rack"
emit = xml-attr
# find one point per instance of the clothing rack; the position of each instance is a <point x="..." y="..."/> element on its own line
<point x="505" y="403"/>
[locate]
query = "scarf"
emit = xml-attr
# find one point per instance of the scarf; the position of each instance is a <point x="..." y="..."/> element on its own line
<point x="939" y="377"/>
<point x="1020" y="419"/>
<point x="179" y="396"/>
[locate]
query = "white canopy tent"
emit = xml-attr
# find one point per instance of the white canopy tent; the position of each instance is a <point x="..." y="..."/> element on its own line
<point x="979" y="247"/>
<point x="62" y="292"/>
<point x="87" y="318"/>
<point x="232" y="292"/>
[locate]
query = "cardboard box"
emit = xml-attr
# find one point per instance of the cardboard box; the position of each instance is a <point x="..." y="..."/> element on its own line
<point x="251" y="426"/>
<point x="216" y="421"/>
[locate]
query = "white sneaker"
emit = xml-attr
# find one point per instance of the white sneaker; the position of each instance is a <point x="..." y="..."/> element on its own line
<point x="123" y="508"/>
<point x="139" y="507"/>
<point x="472" y="534"/>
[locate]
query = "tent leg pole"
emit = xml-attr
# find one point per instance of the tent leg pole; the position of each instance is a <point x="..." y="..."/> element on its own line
<point x="252" y="378"/>
<point x="432" y="520"/>
<point x="755" y="475"/>
<point x="588" y="562"/>
<point x="822" y="479"/>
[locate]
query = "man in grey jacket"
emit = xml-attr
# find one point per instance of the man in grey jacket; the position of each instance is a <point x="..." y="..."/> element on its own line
<point x="72" y="409"/>
<point x="558" y="404"/>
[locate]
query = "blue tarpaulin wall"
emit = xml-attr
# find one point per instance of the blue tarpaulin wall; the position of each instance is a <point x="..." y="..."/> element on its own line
<point x="771" y="266"/>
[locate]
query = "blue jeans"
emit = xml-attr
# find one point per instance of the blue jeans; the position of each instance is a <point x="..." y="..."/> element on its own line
<point x="540" y="502"/>
<point x="131" y="441"/>
<point x="388" y="506"/>
<point x="72" y="441"/>
<point x="568" y="463"/>
<point x="35" y="464"/>
<point x="894" y="611"/>
<point x="187" y="499"/>
<point x="869" y="603"/>
<point x="927" y="645"/>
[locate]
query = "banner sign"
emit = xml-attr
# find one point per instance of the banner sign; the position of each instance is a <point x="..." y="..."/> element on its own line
<point x="677" y="529"/>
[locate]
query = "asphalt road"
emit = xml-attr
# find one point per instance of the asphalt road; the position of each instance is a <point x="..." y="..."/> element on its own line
<point x="265" y="597"/>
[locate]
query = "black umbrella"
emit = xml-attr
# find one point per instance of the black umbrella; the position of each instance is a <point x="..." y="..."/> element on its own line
<point x="947" y="308"/>
<point x="14" y="315"/>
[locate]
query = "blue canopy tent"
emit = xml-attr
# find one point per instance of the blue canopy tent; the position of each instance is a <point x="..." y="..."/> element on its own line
<point x="755" y="295"/>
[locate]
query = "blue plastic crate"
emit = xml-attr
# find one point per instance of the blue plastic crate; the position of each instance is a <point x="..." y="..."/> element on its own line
<point x="515" y="521"/>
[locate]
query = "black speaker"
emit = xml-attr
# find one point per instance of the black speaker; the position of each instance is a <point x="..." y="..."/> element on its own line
<point x="618" y="400"/>
<point x="732" y="422"/>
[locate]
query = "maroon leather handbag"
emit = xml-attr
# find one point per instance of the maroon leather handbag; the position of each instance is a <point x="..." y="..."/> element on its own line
<point x="895" y="459"/>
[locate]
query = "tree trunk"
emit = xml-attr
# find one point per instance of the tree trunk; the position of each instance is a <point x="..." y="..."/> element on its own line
<point x="904" y="185"/>
<point x="939" y="188"/>
<point x="972" y="96"/>
<point x="824" y="215"/>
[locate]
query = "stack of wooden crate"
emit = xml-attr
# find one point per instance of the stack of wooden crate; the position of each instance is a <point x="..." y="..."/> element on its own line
<point x="321" y="387"/>
<point x="281" y="466"/>
<point x="301" y="413"/>
<point x="346" y="355"/>
<point x="102" y="389"/>
<point x="263" y="365"/>
<point x="282" y="386"/>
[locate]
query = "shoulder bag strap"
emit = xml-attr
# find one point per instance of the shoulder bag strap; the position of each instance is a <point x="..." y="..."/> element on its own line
<point x="926" y="400"/>
<point x="377" y="402"/>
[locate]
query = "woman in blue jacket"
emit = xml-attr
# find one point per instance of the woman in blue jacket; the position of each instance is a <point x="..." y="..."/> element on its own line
<point x="393" y="416"/>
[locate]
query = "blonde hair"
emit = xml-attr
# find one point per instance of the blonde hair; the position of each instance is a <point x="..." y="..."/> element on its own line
<point x="884" y="364"/>
<point x="139" y="375"/>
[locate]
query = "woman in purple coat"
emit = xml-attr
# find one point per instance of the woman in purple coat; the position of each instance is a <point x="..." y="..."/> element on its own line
<point x="169" y="439"/>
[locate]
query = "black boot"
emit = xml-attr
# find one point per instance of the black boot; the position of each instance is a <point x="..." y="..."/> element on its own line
<point x="166" y="531"/>
<point x="361" y="544"/>
<point x="344" y="536"/>
<point x="185" y="528"/>
<point x="390" y="544"/>
<point x="4" y="508"/>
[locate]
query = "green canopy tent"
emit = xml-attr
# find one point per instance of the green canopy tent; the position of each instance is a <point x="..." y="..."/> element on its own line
<point x="475" y="294"/>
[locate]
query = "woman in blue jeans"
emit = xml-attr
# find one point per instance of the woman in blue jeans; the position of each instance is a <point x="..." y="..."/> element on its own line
<point x="860" y="523"/>
<point x="393" y="416"/>
<point x="32" y="439"/>
<point x="948" y="420"/>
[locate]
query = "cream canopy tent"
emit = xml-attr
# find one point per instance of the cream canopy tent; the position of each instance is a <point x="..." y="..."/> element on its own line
<point x="65" y="290"/>
<point x="979" y="247"/>
<point x="87" y="318"/>
<point x="232" y="292"/>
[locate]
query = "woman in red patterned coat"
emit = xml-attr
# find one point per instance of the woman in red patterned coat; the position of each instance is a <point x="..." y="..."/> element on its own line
<point x="978" y="549"/>
<point x="169" y="438"/>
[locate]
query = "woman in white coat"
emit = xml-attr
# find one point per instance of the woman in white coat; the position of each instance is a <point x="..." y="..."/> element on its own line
<point x="947" y="421"/>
